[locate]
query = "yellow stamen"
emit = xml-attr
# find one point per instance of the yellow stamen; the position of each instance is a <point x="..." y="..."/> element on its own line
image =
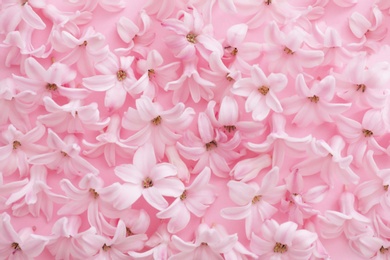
<point x="263" y="90"/>
<point x="147" y="183"/>
<point x="121" y="75"/>
<point x="367" y="133"/>
<point x="361" y="87"/>
<point x="280" y="248"/>
<point x="151" y="73"/>
<point x="51" y="86"/>
<point x="256" y="199"/>
<point x="314" y="99"/>
<point x="288" y="51"/>
<point x="211" y="145"/>
<point x="191" y="37"/>
<point x="16" y="145"/>
<point x="157" y="120"/>
<point x="94" y="193"/>
<point x="183" y="196"/>
<point x="15" y="246"/>
<point x="106" y="248"/>
<point x="230" y="128"/>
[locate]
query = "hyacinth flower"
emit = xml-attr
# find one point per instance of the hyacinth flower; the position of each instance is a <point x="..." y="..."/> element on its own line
<point x="327" y="160"/>
<point x="283" y="241"/>
<point x="154" y="125"/>
<point x="19" y="245"/>
<point x="85" y="50"/>
<point x="195" y="199"/>
<point x="191" y="36"/>
<point x="361" y="137"/>
<point x="227" y="119"/>
<point x="90" y="5"/>
<point x="174" y="158"/>
<point x="35" y="197"/>
<point x="208" y="244"/>
<point x="57" y="80"/>
<point x="116" y="79"/>
<point x="147" y="178"/>
<point x="191" y="84"/>
<point x="374" y="192"/>
<point x="155" y="74"/>
<point x="313" y="105"/>
<point x="254" y="201"/>
<point x="238" y="53"/>
<point x="66" y="242"/>
<point x="260" y="92"/>
<point x="347" y="220"/>
<point x="120" y="244"/>
<point x="299" y="203"/>
<point x="371" y="247"/>
<point x="248" y="169"/>
<point x="18" y="148"/>
<point x="109" y="143"/>
<point x="137" y="35"/>
<point x="369" y="30"/>
<point x="212" y="149"/>
<point x="72" y="117"/>
<point x="135" y="221"/>
<point x="365" y="87"/>
<point x="92" y="197"/>
<point x="285" y="52"/>
<point x="64" y="157"/>
<point x="6" y="189"/>
<point x="280" y="143"/>
<point x="16" y="11"/>
<point x="16" y="105"/>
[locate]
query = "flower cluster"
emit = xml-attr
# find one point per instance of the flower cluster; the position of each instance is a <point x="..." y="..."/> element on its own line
<point x="200" y="129"/>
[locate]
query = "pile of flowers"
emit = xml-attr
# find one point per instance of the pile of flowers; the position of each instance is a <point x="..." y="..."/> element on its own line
<point x="194" y="129"/>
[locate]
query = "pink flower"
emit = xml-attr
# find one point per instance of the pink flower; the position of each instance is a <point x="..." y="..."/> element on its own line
<point x="280" y="143"/>
<point x="57" y="80"/>
<point x="299" y="204"/>
<point x="146" y="178"/>
<point x="212" y="149"/>
<point x="228" y="119"/>
<point x="373" y="193"/>
<point x="116" y="80"/>
<point x="191" y="37"/>
<point x="109" y="143"/>
<point x="255" y="202"/>
<point x="35" y="196"/>
<point x="85" y="50"/>
<point x="15" y="11"/>
<point x="154" y="125"/>
<point x="283" y="241"/>
<point x="260" y="92"/>
<point x="162" y="9"/>
<point x="19" y="148"/>
<point x="64" y="157"/>
<point x="72" y="117"/>
<point x="208" y="244"/>
<point x="327" y="160"/>
<point x="155" y="75"/>
<point x="137" y="35"/>
<point x="66" y="242"/>
<point x="362" y="137"/>
<point x="313" y="105"/>
<point x="120" y="244"/>
<point x="174" y="158"/>
<point x="107" y="5"/>
<point x="7" y="189"/>
<point x="190" y="83"/>
<point x="285" y="52"/>
<point x="92" y="197"/>
<point x="16" y="105"/>
<point x="195" y="199"/>
<point x="136" y="221"/>
<point x="248" y="169"/>
<point x="22" y="245"/>
<point x="238" y="53"/>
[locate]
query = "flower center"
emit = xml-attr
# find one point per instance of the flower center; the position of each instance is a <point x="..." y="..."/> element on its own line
<point x="280" y="248"/>
<point x="85" y="43"/>
<point x="288" y="50"/>
<point x="314" y="99"/>
<point x="183" y="196"/>
<point x="121" y="75"/>
<point x="23" y="2"/>
<point x="147" y="183"/>
<point x="15" y="246"/>
<point x="263" y="90"/>
<point x="228" y="77"/>
<point x="256" y="199"/>
<point x="16" y="145"/>
<point x="128" y="232"/>
<point x="64" y="154"/>
<point x="191" y="37"/>
<point x="94" y="194"/>
<point x="151" y="73"/>
<point x="367" y="133"/>
<point x="361" y="87"/>
<point x="267" y="2"/>
<point x="383" y="250"/>
<point x="386" y="187"/>
<point x="234" y="52"/>
<point x="157" y="120"/>
<point x="204" y="244"/>
<point x="51" y="86"/>
<point x="211" y="145"/>
<point x="230" y="128"/>
<point x="106" y="248"/>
